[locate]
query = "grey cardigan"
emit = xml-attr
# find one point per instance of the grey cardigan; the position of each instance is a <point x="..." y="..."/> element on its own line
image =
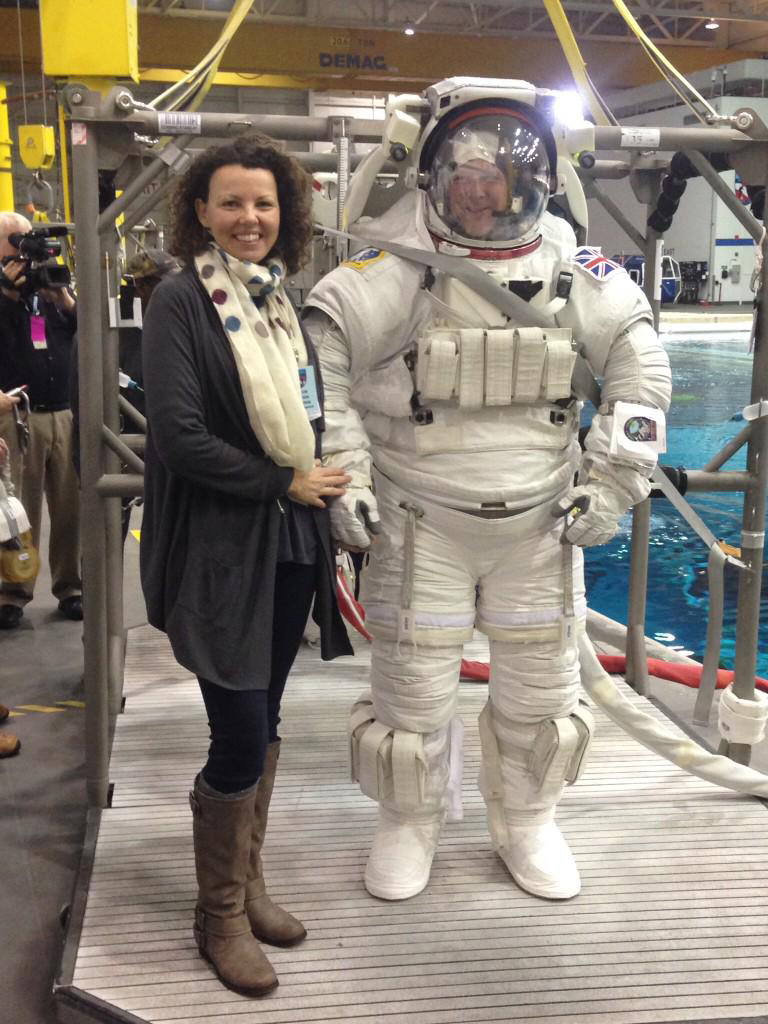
<point x="212" y="505"/>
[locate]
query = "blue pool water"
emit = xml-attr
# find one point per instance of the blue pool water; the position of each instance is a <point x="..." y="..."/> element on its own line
<point x="711" y="383"/>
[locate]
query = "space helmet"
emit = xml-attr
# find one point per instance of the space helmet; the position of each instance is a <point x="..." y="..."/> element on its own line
<point x="488" y="167"/>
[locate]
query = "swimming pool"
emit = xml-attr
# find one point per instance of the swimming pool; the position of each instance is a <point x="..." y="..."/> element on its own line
<point x="711" y="383"/>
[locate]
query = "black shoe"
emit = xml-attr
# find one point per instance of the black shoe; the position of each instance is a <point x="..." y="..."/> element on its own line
<point x="10" y="616"/>
<point x="72" y="608"/>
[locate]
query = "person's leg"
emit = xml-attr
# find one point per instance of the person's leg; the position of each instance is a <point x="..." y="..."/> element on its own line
<point x="418" y="591"/>
<point x="534" y="732"/>
<point x="222" y="810"/>
<point x="238" y="726"/>
<point x="30" y="493"/>
<point x="63" y="496"/>
<point x="294" y="590"/>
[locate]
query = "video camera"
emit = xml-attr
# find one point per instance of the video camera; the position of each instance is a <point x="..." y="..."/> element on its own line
<point x="39" y="248"/>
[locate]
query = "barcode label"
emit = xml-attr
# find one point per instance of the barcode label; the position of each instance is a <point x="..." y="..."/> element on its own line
<point x="178" y="123"/>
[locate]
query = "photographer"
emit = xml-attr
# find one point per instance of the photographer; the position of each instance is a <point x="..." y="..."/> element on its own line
<point x="37" y="327"/>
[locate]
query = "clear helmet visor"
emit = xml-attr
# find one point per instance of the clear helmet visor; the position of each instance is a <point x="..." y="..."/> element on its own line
<point x="488" y="180"/>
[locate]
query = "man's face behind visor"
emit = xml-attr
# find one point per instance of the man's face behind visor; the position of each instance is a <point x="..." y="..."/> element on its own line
<point x="489" y="180"/>
<point x="477" y="194"/>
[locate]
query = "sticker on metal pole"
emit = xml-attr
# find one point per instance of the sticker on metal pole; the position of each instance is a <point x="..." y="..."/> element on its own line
<point x="658" y="259"/>
<point x="640" y="138"/>
<point x="79" y="133"/>
<point x="178" y="122"/>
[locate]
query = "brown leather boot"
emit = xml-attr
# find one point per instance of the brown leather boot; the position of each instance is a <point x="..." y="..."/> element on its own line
<point x="9" y="744"/>
<point x="222" y="836"/>
<point x="269" y="922"/>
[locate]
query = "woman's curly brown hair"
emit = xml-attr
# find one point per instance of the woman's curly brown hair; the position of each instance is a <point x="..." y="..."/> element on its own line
<point x="188" y="236"/>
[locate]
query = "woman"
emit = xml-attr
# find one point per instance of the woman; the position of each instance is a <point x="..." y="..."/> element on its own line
<point x="235" y="540"/>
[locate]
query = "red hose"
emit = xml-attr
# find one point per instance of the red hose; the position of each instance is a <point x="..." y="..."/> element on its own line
<point x="615" y="664"/>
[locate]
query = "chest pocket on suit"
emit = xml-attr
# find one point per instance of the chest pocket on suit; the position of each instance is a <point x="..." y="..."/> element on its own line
<point x="495" y="366"/>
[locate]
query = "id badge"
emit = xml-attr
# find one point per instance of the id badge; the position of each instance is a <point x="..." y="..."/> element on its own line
<point x="37" y="331"/>
<point x="309" y="392"/>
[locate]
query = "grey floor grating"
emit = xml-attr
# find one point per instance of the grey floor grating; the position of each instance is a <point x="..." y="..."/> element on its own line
<point x="671" y="925"/>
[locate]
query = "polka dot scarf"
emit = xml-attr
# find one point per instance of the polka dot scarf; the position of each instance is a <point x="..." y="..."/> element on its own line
<point x="268" y="347"/>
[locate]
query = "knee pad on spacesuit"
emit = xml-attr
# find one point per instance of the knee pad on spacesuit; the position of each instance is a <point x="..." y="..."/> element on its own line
<point x="405" y="770"/>
<point x="408" y="771"/>
<point x="535" y="761"/>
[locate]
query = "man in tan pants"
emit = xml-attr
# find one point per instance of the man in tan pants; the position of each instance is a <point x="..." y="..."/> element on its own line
<point x="36" y="335"/>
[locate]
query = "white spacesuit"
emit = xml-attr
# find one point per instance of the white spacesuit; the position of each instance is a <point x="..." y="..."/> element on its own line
<point x="460" y="430"/>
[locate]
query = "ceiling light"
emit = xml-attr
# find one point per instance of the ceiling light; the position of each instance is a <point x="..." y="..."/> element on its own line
<point x="408" y="27"/>
<point x="712" y="24"/>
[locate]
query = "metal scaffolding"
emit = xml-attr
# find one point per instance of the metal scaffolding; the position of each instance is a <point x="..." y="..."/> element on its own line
<point x="108" y="132"/>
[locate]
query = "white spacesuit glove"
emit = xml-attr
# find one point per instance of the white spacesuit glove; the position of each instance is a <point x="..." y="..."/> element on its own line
<point x="593" y="512"/>
<point x="355" y="518"/>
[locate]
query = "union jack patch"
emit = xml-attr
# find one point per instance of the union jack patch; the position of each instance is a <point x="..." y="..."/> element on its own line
<point x="592" y="259"/>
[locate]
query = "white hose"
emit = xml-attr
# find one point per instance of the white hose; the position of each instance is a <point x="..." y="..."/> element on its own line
<point x="680" y="750"/>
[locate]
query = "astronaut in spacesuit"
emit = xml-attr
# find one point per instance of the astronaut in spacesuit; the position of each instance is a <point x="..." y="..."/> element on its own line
<point x="459" y="427"/>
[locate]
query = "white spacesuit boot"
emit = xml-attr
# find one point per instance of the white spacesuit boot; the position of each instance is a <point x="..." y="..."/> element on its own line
<point x="523" y="774"/>
<point x="407" y="773"/>
<point x="405" y="842"/>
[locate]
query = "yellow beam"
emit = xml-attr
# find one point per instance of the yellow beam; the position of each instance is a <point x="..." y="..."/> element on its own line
<point x="6" y="148"/>
<point x="376" y="61"/>
<point x="64" y="161"/>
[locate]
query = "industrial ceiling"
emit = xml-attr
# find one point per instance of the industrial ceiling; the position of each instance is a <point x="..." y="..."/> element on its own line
<point x="360" y="45"/>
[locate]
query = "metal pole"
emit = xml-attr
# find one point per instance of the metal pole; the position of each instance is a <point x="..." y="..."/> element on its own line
<point x="137" y="443"/>
<point x="125" y="485"/>
<point x="286" y="127"/>
<point x="112" y="505"/>
<point x="341" y="138"/>
<point x="637" y="663"/>
<point x="730" y="480"/>
<point x="710" y="140"/>
<point x="728" y="450"/>
<point x="141" y="211"/>
<point x="636" y="672"/>
<point x="107" y="219"/>
<point x="89" y="281"/>
<point x="121" y="449"/>
<point x="753" y="530"/>
<point x="750" y="224"/>
<point x="132" y="413"/>
<point x="593" y="192"/>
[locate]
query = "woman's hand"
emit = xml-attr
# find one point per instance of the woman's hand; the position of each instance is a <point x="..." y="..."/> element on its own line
<point x="320" y="482"/>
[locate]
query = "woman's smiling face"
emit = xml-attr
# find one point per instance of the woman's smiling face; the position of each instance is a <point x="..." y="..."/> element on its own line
<point x="242" y="211"/>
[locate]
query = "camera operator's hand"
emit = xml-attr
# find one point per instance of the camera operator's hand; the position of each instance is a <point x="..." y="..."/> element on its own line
<point x="7" y="402"/>
<point x="13" y="277"/>
<point x="61" y="298"/>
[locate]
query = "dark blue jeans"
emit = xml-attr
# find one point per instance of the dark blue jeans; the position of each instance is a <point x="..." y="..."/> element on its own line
<point x="243" y="722"/>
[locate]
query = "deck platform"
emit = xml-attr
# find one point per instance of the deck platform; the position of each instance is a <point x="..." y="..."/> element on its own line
<point x="672" y="923"/>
